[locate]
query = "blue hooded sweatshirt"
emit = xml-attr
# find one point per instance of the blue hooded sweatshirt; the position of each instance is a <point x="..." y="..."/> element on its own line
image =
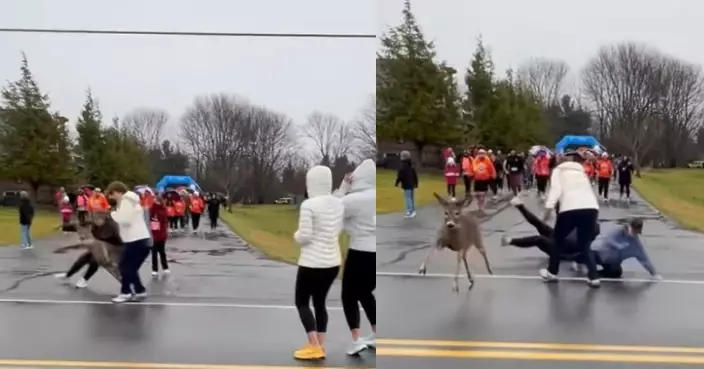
<point x="614" y="245"/>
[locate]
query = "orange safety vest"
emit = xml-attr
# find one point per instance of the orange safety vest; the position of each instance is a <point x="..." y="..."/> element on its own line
<point x="468" y="166"/>
<point x="605" y="168"/>
<point x="98" y="202"/>
<point x="589" y="169"/>
<point x="542" y="167"/>
<point x="170" y="212"/>
<point x="147" y="201"/>
<point x="484" y="169"/>
<point x="197" y="205"/>
<point x="179" y="208"/>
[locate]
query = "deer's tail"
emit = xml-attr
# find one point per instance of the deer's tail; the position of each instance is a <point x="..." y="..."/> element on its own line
<point x="77" y="246"/>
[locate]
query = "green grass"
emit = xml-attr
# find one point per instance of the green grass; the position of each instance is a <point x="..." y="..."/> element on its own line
<point x="389" y="198"/>
<point x="677" y="193"/>
<point x="45" y="223"/>
<point x="270" y="229"/>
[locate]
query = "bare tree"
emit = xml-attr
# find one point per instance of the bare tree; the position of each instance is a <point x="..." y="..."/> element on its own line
<point x="365" y="131"/>
<point x="147" y="125"/>
<point x="625" y="82"/>
<point x="330" y="136"/>
<point x="544" y="77"/>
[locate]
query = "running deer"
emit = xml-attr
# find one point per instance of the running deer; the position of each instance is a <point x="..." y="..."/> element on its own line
<point x="459" y="233"/>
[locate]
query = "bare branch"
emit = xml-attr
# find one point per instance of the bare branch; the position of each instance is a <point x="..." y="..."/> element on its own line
<point x="330" y="136"/>
<point x="146" y="125"/>
<point x="544" y="77"/>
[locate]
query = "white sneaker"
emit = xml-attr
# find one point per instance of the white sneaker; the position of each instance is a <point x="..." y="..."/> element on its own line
<point x="82" y="283"/>
<point x="140" y="296"/>
<point x="370" y="340"/>
<point x="505" y="240"/>
<point x="412" y="215"/>
<point x="167" y="271"/>
<point x="61" y="276"/>
<point x="356" y="347"/>
<point x="547" y="276"/>
<point x="594" y="283"/>
<point x="155" y="274"/>
<point x="123" y="297"/>
<point x="578" y="268"/>
<point x="515" y="201"/>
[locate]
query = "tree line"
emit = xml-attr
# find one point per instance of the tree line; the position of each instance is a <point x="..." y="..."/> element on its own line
<point x="635" y="99"/>
<point x="228" y="144"/>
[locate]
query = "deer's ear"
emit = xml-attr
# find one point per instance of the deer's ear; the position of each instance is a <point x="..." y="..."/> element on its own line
<point x="440" y="199"/>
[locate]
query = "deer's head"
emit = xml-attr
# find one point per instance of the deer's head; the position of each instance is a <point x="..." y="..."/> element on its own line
<point x="453" y="210"/>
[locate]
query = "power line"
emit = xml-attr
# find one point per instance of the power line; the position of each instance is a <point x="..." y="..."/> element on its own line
<point x="196" y="34"/>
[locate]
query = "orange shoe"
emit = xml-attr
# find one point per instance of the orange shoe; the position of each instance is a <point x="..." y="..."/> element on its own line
<point x="309" y="352"/>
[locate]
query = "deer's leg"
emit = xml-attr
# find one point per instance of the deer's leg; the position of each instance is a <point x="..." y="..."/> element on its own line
<point x="466" y="268"/>
<point x="486" y="259"/>
<point x="455" y="283"/>
<point x="423" y="267"/>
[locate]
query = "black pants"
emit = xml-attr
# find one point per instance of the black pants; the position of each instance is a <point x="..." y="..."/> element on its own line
<point x="195" y="220"/>
<point x="132" y="259"/>
<point x="85" y="259"/>
<point x="450" y="192"/>
<point x="82" y="217"/>
<point x="494" y="187"/>
<point x="500" y="181"/>
<point x="173" y="222"/>
<point x="625" y="187"/>
<point x="358" y="284"/>
<point x="467" y="185"/>
<point x="604" y="187"/>
<point x="542" y="183"/>
<point x="584" y="222"/>
<point x="159" y="254"/>
<point x="182" y="221"/>
<point x="213" y="221"/>
<point x="314" y="283"/>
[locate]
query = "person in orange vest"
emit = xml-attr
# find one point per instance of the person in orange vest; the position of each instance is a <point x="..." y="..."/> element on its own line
<point x="467" y="172"/>
<point x="541" y="171"/>
<point x="171" y="214"/>
<point x="196" y="208"/>
<point x="589" y="169"/>
<point x="604" y="171"/>
<point x="180" y="213"/>
<point x="98" y="203"/>
<point x="484" y="173"/>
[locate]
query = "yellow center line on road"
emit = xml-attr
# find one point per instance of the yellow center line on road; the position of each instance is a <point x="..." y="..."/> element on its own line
<point x="27" y="364"/>
<point x="542" y="356"/>
<point x="540" y="346"/>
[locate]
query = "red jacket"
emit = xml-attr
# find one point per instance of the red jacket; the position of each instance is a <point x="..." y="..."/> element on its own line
<point x="158" y="222"/>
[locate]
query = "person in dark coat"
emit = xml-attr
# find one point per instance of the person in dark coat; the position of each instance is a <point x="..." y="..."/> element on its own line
<point x="213" y="205"/>
<point x="625" y="177"/>
<point x="26" y="216"/>
<point x="407" y="178"/>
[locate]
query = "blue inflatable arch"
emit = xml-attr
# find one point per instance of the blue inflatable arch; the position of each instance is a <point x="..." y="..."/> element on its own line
<point x="570" y="141"/>
<point x="176" y="181"/>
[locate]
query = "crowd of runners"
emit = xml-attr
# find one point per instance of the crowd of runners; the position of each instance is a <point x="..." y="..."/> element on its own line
<point x="570" y="185"/>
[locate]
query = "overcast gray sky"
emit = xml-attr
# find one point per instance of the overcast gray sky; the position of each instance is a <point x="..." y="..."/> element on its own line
<point x="516" y="30"/>
<point x="293" y="76"/>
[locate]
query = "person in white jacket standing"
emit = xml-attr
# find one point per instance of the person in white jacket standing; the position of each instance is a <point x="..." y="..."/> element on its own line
<point x="358" y="192"/>
<point x="319" y="226"/>
<point x="129" y="216"/>
<point x="578" y="211"/>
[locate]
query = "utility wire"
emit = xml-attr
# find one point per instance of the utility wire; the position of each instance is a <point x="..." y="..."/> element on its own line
<point x="197" y="34"/>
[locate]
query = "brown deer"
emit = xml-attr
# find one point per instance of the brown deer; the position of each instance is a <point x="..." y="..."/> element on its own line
<point x="459" y="233"/>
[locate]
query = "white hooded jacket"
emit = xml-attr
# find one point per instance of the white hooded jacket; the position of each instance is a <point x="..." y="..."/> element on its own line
<point x="129" y="217"/>
<point x="359" y="199"/>
<point x="570" y="186"/>
<point x="320" y="222"/>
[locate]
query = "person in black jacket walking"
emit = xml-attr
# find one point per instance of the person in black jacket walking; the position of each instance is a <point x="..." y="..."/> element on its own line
<point x="26" y="217"/>
<point x="625" y="177"/>
<point x="408" y="179"/>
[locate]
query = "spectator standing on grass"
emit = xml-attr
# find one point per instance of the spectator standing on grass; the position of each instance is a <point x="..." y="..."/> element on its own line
<point x="26" y="218"/>
<point x="358" y="192"/>
<point x="320" y="223"/>
<point x="407" y="178"/>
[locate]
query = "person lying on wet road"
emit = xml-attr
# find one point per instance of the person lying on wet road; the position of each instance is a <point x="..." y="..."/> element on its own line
<point x="615" y="244"/>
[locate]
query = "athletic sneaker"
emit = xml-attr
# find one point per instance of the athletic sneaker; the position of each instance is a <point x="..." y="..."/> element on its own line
<point x="505" y="240"/>
<point x="578" y="268"/>
<point x="167" y="271"/>
<point x="82" y="283"/>
<point x="61" y="276"/>
<point x="155" y="274"/>
<point x="140" y="296"/>
<point x="547" y="276"/>
<point x="515" y="201"/>
<point x="370" y="340"/>
<point x="356" y="347"/>
<point x="412" y="214"/>
<point x="594" y="283"/>
<point x="123" y="297"/>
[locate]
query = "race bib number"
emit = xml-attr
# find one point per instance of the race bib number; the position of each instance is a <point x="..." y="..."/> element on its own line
<point x="481" y="168"/>
<point x="156" y="226"/>
<point x="514" y="169"/>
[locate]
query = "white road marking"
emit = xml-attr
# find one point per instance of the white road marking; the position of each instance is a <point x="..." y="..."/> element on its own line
<point x="156" y="303"/>
<point x="530" y="277"/>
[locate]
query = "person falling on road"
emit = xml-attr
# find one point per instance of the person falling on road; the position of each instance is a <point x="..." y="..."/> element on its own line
<point x="604" y="171"/>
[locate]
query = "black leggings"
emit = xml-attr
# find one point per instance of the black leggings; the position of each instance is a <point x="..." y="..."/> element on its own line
<point x="195" y="220"/>
<point x="85" y="259"/>
<point x="467" y="185"/>
<point x="625" y="187"/>
<point x="542" y="183"/>
<point x="173" y="222"/>
<point x="213" y="221"/>
<point x="159" y="254"/>
<point x="450" y="192"/>
<point x="314" y="283"/>
<point x="604" y="187"/>
<point x="358" y="284"/>
<point x="584" y="221"/>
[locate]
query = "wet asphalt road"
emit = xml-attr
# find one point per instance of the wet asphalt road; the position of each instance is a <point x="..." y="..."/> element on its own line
<point x="426" y="325"/>
<point x="222" y="305"/>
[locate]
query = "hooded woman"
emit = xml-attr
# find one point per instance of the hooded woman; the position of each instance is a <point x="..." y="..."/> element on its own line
<point x="129" y="216"/>
<point x="26" y="211"/>
<point x="579" y="211"/>
<point x="358" y="192"/>
<point x="320" y="223"/>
